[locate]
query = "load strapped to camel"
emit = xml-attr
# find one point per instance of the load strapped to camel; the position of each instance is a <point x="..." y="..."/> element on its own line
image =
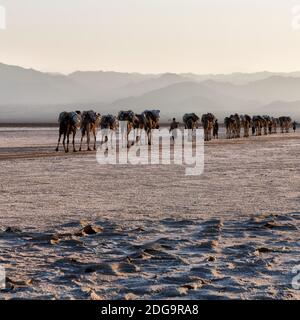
<point x="153" y="114"/>
<point x="74" y="117"/>
<point x="190" y="120"/>
<point x="90" y="116"/>
<point x="108" y="121"/>
<point x="126" y="116"/>
<point x="63" y="116"/>
<point x="245" y="118"/>
<point x="151" y="119"/>
<point x="190" y="116"/>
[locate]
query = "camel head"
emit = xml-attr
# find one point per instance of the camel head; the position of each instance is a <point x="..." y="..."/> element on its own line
<point x="98" y="118"/>
<point x="156" y="115"/>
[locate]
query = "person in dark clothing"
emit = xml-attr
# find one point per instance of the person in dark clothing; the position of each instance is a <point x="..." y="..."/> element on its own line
<point x="216" y="130"/>
<point x="294" y="126"/>
<point x="173" y="128"/>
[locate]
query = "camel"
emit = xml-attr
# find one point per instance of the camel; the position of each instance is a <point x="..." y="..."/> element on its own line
<point x="90" y="123"/>
<point x="69" y="122"/>
<point x="190" y="121"/>
<point x="207" y="120"/>
<point x="151" y="121"/>
<point x="228" y="126"/>
<point x="233" y="126"/>
<point x="253" y="128"/>
<point x="130" y="118"/>
<point x="246" y="123"/>
<point x="275" y="124"/>
<point x="108" y="123"/>
<point x="266" y="124"/>
<point x="138" y="125"/>
<point x="237" y="125"/>
<point x="258" y="124"/>
<point x="285" y="124"/>
<point x="270" y="125"/>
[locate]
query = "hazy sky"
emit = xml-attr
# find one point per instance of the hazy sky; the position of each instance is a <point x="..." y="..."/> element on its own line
<point x="153" y="36"/>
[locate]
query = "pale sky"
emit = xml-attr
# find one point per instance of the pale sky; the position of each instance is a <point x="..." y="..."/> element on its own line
<point x="151" y="36"/>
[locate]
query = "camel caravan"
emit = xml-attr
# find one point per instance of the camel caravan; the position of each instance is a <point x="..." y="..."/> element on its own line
<point x="126" y="122"/>
<point x="88" y="123"/>
<point x="259" y="124"/>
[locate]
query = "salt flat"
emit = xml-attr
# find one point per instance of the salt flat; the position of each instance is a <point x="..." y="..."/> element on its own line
<point x="232" y="232"/>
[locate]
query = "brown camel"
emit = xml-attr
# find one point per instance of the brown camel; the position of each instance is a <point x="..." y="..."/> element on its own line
<point x="237" y="125"/>
<point x="207" y="120"/>
<point x="266" y="124"/>
<point x="231" y="127"/>
<point x="258" y="124"/>
<point x="190" y="121"/>
<point x="151" y="121"/>
<point x="228" y="126"/>
<point x="126" y="120"/>
<point x="108" y="123"/>
<point x="90" y="123"/>
<point x="69" y="122"/>
<point x="246" y="123"/>
<point x="285" y="124"/>
<point x="275" y="123"/>
<point x="138" y="125"/>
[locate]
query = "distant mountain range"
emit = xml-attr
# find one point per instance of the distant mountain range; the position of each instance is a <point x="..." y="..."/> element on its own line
<point x="27" y="95"/>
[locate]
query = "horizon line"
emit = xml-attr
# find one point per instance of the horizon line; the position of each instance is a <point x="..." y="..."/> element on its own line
<point x="148" y="73"/>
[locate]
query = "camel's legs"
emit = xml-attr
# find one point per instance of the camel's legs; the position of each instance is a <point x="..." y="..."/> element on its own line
<point x="82" y="135"/>
<point x="68" y="141"/>
<point x="64" y="142"/>
<point x="58" y="141"/>
<point x="149" y="136"/>
<point x="88" y="140"/>
<point x="129" y="144"/>
<point x="127" y="139"/>
<point x="111" y="139"/>
<point x="104" y="136"/>
<point x="94" y="133"/>
<point x="73" y="141"/>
